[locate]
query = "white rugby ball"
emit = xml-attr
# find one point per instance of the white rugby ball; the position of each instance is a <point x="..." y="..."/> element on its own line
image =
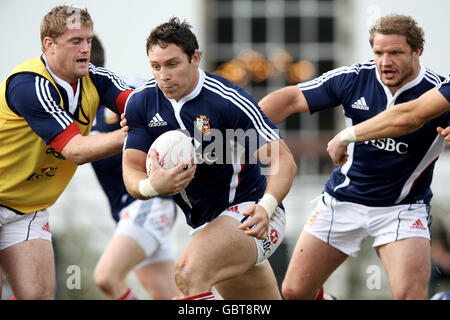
<point x="172" y="147"/>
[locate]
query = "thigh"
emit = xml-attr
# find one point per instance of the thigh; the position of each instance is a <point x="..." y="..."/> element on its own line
<point x="401" y="260"/>
<point x="121" y="255"/>
<point x="218" y="252"/>
<point x="258" y="283"/>
<point x="312" y="262"/>
<point x="29" y="269"/>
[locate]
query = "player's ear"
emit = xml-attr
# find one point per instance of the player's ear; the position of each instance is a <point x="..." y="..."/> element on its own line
<point x="48" y="45"/>
<point x="195" y="60"/>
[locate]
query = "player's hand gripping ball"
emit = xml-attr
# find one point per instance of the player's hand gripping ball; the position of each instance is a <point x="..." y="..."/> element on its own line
<point x="172" y="148"/>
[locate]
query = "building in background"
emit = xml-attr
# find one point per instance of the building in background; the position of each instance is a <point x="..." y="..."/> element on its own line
<point x="265" y="45"/>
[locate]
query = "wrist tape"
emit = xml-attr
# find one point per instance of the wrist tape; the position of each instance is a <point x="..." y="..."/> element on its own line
<point x="269" y="203"/>
<point x="146" y="189"/>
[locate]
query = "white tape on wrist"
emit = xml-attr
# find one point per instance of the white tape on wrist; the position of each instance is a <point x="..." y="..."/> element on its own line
<point x="269" y="203"/>
<point x="348" y="135"/>
<point x="146" y="189"/>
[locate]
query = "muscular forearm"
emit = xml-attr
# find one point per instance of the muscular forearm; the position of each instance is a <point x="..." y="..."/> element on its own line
<point x="393" y="122"/>
<point x="133" y="166"/>
<point x="82" y="149"/>
<point x="282" y="172"/>
<point x="403" y="118"/>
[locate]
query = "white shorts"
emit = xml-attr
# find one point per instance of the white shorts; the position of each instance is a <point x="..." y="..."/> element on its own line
<point x="16" y="228"/>
<point x="345" y="225"/>
<point x="276" y="233"/>
<point x="149" y="223"/>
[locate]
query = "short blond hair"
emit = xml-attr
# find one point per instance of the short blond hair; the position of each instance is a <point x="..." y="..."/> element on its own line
<point x="61" y="18"/>
<point x="399" y="25"/>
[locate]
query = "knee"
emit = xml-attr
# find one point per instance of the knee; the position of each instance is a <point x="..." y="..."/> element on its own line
<point x="104" y="280"/>
<point x="190" y="279"/>
<point x="182" y="279"/>
<point x="411" y="292"/>
<point x="41" y="292"/>
<point x="295" y="292"/>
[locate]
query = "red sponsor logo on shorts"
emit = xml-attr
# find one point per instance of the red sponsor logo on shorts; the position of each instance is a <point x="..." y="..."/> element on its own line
<point x="234" y="209"/>
<point x="125" y="215"/>
<point x="313" y="217"/>
<point x="164" y="220"/>
<point x="46" y="227"/>
<point x="418" y="225"/>
<point x="274" y="236"/>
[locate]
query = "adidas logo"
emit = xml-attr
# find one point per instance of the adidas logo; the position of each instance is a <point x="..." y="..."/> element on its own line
<point x="360" y="104"/>
<point x="418" y="225"/>
<point x="157" y="121"/>
<point x="46" y="227"/>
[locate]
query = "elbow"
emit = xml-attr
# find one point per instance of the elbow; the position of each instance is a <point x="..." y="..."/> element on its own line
<point x="75" y="152"/>
<point x="289" y="164"/>
<point x="76" y="157"/>
<point x="413" y="124"/>
<point x="293" y="167"/>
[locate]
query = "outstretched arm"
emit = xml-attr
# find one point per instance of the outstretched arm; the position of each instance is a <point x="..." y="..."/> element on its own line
<point x="396" y="121"/>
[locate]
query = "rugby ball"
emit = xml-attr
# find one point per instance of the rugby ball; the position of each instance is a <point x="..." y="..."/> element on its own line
<point x="172" y="147"/>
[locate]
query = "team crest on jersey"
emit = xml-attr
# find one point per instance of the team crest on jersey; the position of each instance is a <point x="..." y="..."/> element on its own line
<point x="202" y="124"/>
<point x="110" y="117"/>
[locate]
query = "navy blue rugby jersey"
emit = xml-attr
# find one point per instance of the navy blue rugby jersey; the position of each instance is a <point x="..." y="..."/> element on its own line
<point x="381" y="172"/>
<point x="214" y="106"/>
<point x="109" y="170"/>
<point x="445" y="88"/>
<point x="37" y="104"/>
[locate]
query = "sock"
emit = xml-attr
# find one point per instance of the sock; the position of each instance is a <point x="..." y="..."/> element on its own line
<point x="129" y="295"/>
<point x="12" y="298"/>
<point x="319" y="294"/>
<point x="201" y="296"/>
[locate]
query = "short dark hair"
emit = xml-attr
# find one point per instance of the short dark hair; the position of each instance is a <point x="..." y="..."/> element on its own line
<point x="401" y="25"/>
<point x="175" y="32"/>
<point x="97" y="52"/>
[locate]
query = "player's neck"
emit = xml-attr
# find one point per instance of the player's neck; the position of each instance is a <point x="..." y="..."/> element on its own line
<point x="55" y="70"/>
<point x="415" y="71"/>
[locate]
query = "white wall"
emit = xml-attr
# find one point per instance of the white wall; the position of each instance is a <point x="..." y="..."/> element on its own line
<point x="122" y="26"/>
<point x="431" y="16"/>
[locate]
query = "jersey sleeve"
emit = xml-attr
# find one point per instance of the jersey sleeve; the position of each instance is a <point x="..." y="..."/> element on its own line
<point x="112" y="90"/>
<point x="137" y="135"/>
<point x="36" y="100"/>
<point x="328" y="90"/>
<point x="444" y="88"/>
<point x="250" y="123"/>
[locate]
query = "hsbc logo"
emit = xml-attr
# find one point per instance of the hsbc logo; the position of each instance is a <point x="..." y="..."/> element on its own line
<point x="389" y="144"/>
<point x="271" y="240"/>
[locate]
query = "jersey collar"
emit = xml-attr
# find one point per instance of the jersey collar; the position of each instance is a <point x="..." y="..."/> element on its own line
<point x="391" y="98"/>
<point x="195" y="92"/>
<point x="71" y="96"/>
